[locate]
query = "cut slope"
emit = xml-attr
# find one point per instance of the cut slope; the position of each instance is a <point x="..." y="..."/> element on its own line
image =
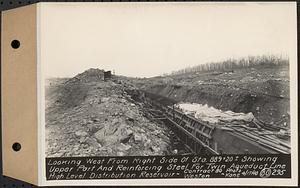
<point x="263" y="91"/>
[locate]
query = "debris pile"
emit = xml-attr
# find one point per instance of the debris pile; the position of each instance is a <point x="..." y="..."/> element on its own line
<point x="87" y="116"/>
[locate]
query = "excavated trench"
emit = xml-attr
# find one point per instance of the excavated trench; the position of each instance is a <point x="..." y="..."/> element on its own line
<point x="267" y="105"/>
<point x="186" y="133"/>
<point x="177" y="145"/>
<point x="181" y="143"/>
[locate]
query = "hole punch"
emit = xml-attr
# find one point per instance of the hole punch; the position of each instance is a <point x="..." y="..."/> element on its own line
<point x="16" y="146"/>
<point x="15" y="44"/>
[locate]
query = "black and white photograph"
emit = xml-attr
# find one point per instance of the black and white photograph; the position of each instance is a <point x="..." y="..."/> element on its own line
<point x="232" y="107"/>
<point x="150" y="93"/>
<point x="199" y="80"/>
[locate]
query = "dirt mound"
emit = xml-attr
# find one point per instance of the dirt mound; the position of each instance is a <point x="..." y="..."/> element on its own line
<point x="90" y="75"/>
<point x="87" y="116"/>
<point x="74" y="91"/>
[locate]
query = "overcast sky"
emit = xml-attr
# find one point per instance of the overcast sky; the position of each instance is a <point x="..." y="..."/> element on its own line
<point x="149" y="39"/>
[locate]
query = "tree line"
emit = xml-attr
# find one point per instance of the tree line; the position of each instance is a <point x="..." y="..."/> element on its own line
<point x="232" y="64"/>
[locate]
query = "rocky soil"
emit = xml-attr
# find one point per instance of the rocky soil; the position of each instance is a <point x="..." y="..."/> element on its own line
<point x="86" y="116"/>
